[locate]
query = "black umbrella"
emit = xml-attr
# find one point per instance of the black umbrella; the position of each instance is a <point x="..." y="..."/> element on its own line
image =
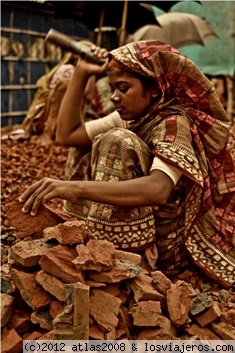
<point x="90" y="12"/>
<point x="124" y="16"/>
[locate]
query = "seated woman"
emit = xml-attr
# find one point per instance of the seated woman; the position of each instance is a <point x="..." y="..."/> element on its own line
<point x="51" y="87"/>
<point x="155" y="175"/>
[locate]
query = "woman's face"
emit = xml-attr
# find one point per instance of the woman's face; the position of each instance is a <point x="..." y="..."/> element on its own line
<point x="129" y="97"/>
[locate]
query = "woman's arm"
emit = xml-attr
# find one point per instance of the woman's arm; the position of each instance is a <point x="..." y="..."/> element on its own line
<point x="70" y="128"/>
<point x="149" y="190"/>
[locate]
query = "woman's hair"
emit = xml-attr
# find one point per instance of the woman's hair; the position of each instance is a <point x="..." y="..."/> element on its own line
<point x="146" y="81"/>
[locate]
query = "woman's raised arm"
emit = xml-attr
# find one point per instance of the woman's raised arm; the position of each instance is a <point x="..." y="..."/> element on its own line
<point x="70" y="129"/>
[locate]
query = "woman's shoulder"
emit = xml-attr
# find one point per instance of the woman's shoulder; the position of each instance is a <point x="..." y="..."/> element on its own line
<point x="112" y="119"/>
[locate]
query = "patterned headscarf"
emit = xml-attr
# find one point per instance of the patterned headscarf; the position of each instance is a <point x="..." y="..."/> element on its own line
<point x="184" y="89"/>
<point x="176" y="74"/>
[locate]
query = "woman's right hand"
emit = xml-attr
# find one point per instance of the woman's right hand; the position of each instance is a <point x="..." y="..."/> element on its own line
<point x="92" y="68"/>
<point x="45" y="190"/>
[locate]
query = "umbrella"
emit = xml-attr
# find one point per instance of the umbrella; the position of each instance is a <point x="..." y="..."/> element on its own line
<point x="181" y="6"/>
<point x="125" y="16"/>
<point x="177" y="29"/>
<point x="90" y="12"/>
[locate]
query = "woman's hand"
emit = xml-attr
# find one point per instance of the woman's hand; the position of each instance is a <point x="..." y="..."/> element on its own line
<point x="91" y="68"/>
<point x="45" y="190"/>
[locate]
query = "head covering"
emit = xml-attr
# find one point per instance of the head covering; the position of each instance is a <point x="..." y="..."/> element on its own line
<point x="176" y="74"/>
<point x="184" y="89"/>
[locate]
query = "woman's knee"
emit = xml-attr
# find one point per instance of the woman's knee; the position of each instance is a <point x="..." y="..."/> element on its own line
<point x="124" y="146"/>
<point x="123" y="137"/>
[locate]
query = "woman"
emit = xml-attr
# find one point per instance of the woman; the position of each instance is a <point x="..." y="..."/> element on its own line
<point x="158" y="177"/>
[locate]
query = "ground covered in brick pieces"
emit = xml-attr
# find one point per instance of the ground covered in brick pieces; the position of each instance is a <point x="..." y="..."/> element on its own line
<point x="46" y="258"/>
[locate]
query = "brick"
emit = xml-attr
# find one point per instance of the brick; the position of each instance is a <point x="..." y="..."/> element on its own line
<point x="228" y="314"/>
<point x="7" y="285"/>
<point x="200" y="303"/>
<point x="33" y="294"/>
<point x="97" y="255"/>
<point x="26" y="225"/>
<point x="143" y="289"/>
<point x="32" y="336"/>
<point x="225" y="331"/>
<point x="43" y="319"/>
<point x="56" y="308"/>
<point x="11" y="342"/>
<point x="51" y="284"/>
<point x="112" y="289"/>
<point x="202" y="333"/>
<point x="58" y="262"/>
<point x="48" y="336"/>
<point x="7" y="308"/>
<point x="178" y="303"/>
<point x="104" y="309"/>
<point x="223" y="295"/>
<point x="95" y="333"/>
<point x="67" y="233"/>
<point x="121" y="271"/>
<point x="73" y="322"/>
<point x="58" y="214"/>
<point x="209" y="315"/>
<point x="147" y="313"/>
<point x="21" y="320"/>
<point x="161" y="282"/>
<point x="128" y="257"/>
<point x="28" y="253"/>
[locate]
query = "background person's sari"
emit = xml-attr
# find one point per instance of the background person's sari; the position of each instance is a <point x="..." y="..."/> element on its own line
<point x="189" y="129"/>
<point x="36" y="118"/>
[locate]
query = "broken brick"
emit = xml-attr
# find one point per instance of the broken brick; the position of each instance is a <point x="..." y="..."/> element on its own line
<point x="58" y="262"/>
<point x="28" y="253"/>
<point x="33" y="294"/>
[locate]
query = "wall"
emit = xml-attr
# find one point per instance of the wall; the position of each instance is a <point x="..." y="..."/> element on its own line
<point x="25" y="56"/>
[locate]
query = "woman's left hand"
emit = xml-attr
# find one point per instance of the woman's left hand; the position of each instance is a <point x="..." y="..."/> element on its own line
<point x="45" y="190"/>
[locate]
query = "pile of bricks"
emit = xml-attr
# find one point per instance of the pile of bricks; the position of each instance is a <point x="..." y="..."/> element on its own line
<point x="59" y="282"/>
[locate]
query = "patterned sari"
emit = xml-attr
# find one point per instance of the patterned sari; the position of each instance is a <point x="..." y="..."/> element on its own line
<point x="188" y="128"/>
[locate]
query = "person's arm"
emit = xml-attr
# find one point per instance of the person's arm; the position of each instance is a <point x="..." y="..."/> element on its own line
<point x="70" y="128"/>
<point x="150" y="190"/>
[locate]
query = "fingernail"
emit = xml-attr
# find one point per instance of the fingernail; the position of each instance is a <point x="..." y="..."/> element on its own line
<point x="24" y="210"/>
<point x="33" y="213"/>
<point x="20" y="199"/>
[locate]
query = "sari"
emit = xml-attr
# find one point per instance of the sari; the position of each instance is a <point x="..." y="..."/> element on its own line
<point x="51" y="87"/>
<point x="36" y="118"/>
<point x="187" y="128"/>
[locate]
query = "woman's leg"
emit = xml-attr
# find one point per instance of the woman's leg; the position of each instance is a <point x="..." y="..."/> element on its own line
<point x="116" y="156"/>
<point x="120" y="155"/>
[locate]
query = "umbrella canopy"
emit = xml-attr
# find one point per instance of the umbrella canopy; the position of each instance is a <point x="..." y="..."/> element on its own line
<point x="125" y="16"/>
<point x="181" y="6"/>
<point x="90" y="12"/>
<point x="177" y="29"/>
